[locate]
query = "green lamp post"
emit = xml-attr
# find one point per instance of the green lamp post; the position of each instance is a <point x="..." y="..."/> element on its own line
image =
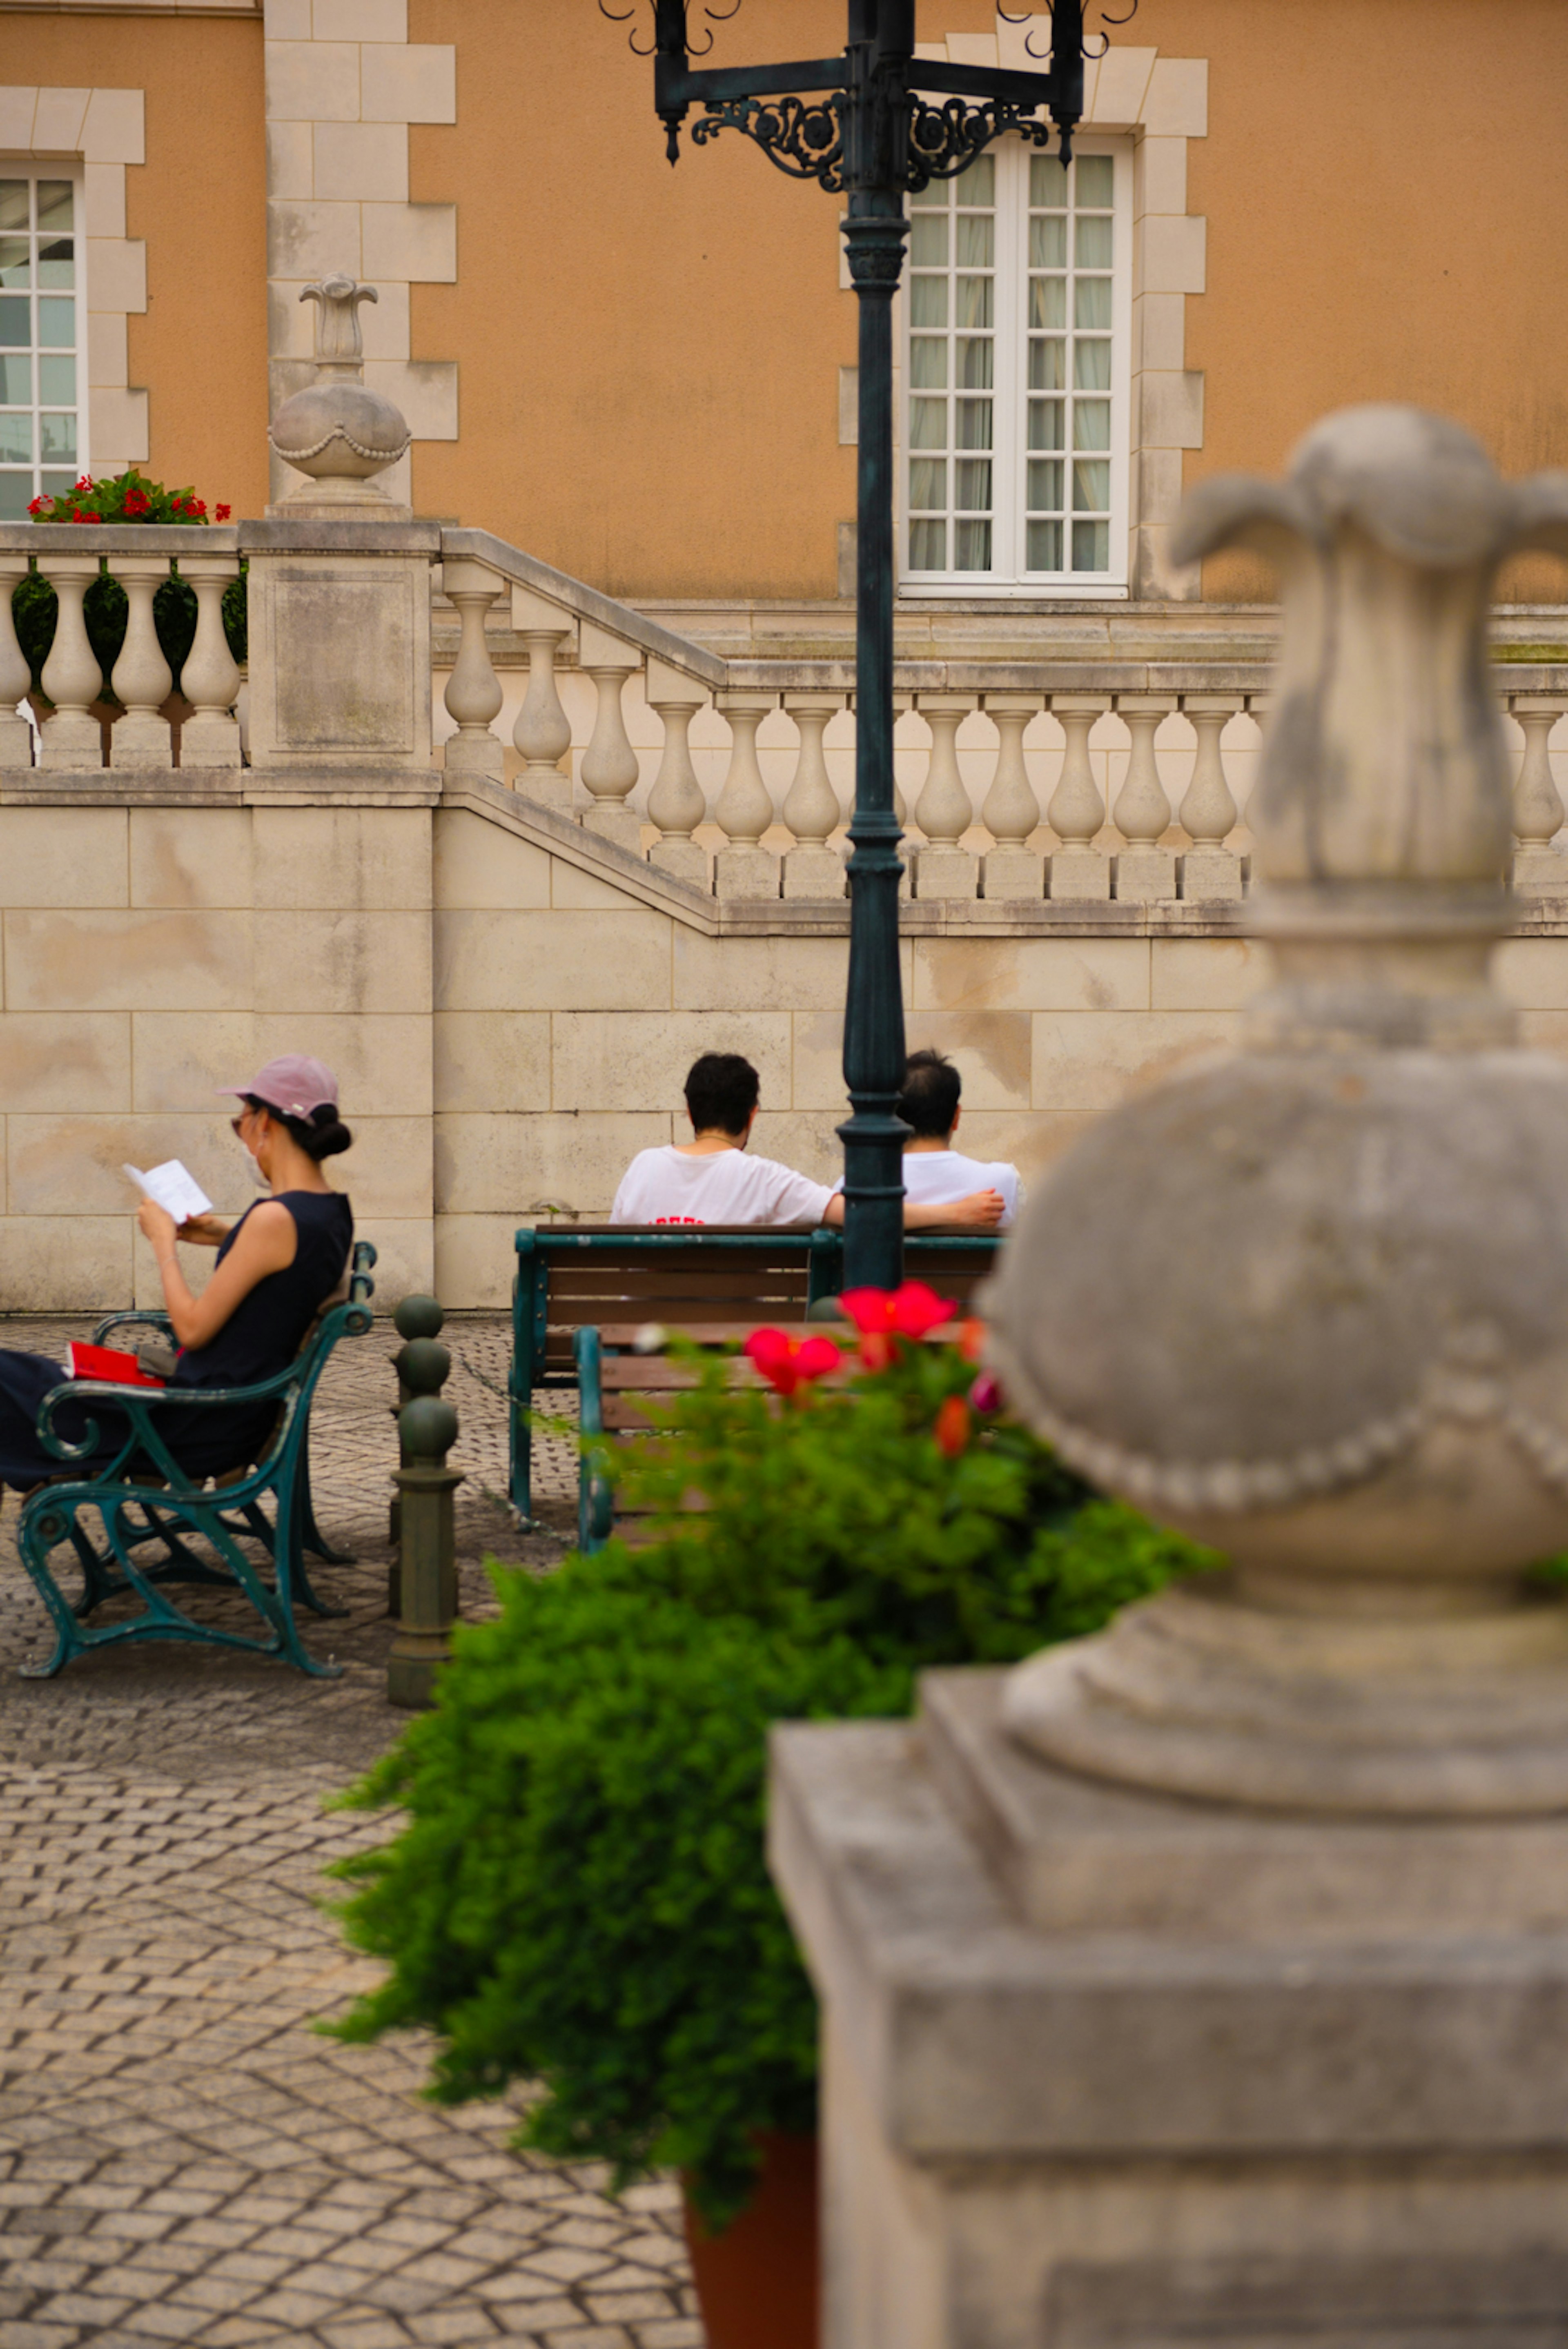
<point x="877" y="123"/>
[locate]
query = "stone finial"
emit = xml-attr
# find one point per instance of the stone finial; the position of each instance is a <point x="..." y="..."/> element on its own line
<point x="340" y="344"/>
<point x="336" y="431"/>
<point x="1310" y="1302"/>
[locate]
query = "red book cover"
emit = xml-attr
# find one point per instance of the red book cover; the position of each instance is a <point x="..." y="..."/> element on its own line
<point x="106" y="1362"/>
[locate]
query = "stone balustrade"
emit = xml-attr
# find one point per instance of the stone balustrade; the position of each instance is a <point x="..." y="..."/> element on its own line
<point x="1019" y="782"/>
<point x="144" y="736"/>
<point x="1120" y="781"/>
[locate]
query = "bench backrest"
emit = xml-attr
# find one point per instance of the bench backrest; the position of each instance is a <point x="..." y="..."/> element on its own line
<point x="567" y="1280"/>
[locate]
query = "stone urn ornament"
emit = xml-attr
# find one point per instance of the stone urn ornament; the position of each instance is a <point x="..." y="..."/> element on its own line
<point x="1308" y="1302"/>
<point x="337" y="432"/>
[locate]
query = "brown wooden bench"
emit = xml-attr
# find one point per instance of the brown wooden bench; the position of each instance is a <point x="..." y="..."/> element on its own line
<point x="595" y="1275"/>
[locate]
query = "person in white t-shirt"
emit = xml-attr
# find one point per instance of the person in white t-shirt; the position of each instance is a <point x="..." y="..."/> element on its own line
<point x="935" y="1174"/>
<point x="714" y="1179"/>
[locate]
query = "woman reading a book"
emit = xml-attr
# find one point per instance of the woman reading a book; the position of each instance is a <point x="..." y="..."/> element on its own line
<point x="276" y="1266"/>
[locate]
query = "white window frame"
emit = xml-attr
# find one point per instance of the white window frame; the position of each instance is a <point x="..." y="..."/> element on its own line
<point x="37" y="167"/>
<point x="1011" y="395"/>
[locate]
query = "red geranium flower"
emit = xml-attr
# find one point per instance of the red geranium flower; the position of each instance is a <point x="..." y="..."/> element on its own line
<point x="951" y="1427"/>
<point x="136" y="504"/>
<point x="39" y="505"/>
<point x="223" y="512"/>
<point x="196" y="505"/>
<point x="789" y="1362"/>
<point x="883" y="1316"/>
<point x="84" y="484"/>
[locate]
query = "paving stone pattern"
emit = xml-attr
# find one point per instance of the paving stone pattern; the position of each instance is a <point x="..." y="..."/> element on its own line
<point x="182" y="2159"/>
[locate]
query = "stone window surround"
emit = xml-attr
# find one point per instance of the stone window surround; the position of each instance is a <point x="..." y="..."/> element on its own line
<point x="1159" y="103"/>
<point x="343" y="84"/>
<point x="99" y="132"/>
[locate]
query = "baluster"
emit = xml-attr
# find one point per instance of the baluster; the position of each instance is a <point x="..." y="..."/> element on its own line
<point x="943" y="869"/>
<point x="1142" y="871"/>
<point x="473" y="695"/>
<point x="1210" y="871"/>
<point x="73" y="737"/>
<point x="210" y="679"/>
<point x="543" y="732"/>
<point x="610" y="764"/>
<point x="143" y="679"/>
<point x="812" y="869"/>
<point x="16" y="734"/>
<point x="1011" y="868"/>
<point x="1079" y="872"/>
<point x="744" y="808"/>
<point x="1538" y="871"/>
<point x="676" y="804"/>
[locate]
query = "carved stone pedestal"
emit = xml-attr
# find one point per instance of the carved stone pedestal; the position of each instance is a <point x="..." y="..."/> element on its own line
<point x="1144" y="876"/>
<point x="1081" y="875"/>
<point x="619" y="825"/>
<point x="1012" y="873"/>
<point x="746" y="872"/>
<point x="683" y="860"/>
<point x="946" y="873"/>
<point x="1209" y="876"/>
<point x="1105" y="2070"/>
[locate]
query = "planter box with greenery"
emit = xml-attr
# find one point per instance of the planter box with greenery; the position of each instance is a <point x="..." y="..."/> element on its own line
<point x="129" y="497"/>
<point x="579" y="1898"/>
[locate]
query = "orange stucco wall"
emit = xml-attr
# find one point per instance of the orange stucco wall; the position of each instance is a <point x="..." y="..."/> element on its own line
<point x="649" y="358"/>
<point x="1380" y="180"/>
<point x="200" y="202"/>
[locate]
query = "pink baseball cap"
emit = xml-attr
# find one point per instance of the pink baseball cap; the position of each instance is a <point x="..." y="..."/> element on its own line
<point x="294" y="1083"/>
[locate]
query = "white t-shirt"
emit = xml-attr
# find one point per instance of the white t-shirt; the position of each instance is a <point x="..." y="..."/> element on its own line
<point x="719" y="1186"/>
<point x="938" y="1177"/>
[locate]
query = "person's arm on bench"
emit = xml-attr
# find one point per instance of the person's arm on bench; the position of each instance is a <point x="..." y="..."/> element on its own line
<point x="981" y="1212"/>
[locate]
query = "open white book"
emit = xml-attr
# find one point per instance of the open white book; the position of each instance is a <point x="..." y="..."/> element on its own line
<point x="174" y="1187"/>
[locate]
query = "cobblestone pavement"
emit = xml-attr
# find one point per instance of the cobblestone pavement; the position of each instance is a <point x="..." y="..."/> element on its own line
<point x="182" y="2159"/>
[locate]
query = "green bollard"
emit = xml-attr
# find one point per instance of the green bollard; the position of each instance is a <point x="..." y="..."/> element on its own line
<point x="428" y="1428"/>
<point x="416" y="1317"/>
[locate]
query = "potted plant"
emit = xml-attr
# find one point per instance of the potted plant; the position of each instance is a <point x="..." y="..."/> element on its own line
<point x="579" y="1898"/>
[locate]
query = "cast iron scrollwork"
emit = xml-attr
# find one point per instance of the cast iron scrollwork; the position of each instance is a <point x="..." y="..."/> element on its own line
<point x="805" y="138"/>
<point x="945" y="140"/>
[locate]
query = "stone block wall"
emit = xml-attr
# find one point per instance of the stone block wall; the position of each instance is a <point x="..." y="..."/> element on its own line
<point x="154" y="952"/>
<point x="510" y="1005"/>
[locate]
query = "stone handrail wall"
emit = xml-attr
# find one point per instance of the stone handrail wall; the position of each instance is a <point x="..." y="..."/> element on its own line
<point x="1133" y="791"/>
<point x="70" y="556"/>
<point x="1167" y="828"/>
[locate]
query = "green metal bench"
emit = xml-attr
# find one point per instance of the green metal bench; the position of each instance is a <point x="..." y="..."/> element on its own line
<point x="148" y="1510"/>
<point x="573" y="1278"/>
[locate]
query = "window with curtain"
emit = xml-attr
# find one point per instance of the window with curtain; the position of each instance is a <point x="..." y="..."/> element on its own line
<point x="42" y="444"/>
<point x="1017" y="305"/>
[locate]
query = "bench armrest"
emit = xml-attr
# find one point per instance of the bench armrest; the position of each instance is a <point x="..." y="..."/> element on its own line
<point x="142" y="1320"/>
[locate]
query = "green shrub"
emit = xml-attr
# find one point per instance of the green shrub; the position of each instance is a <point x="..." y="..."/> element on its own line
<point x="579" y="1896"/>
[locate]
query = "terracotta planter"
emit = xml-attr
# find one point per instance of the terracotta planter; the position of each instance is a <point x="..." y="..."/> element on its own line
<point x="758" y="2283"/>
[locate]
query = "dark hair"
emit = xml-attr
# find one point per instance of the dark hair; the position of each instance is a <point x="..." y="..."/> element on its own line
<point x="930" y="1100"/>
<point x="320" y="1135"/>
<point x="721" y="1092"/>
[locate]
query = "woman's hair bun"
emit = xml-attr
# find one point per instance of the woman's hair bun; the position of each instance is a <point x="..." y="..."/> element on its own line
<point x="325" y="1135"/>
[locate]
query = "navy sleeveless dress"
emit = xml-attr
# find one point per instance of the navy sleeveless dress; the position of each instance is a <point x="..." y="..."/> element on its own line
<point x="261" y="1336"/>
